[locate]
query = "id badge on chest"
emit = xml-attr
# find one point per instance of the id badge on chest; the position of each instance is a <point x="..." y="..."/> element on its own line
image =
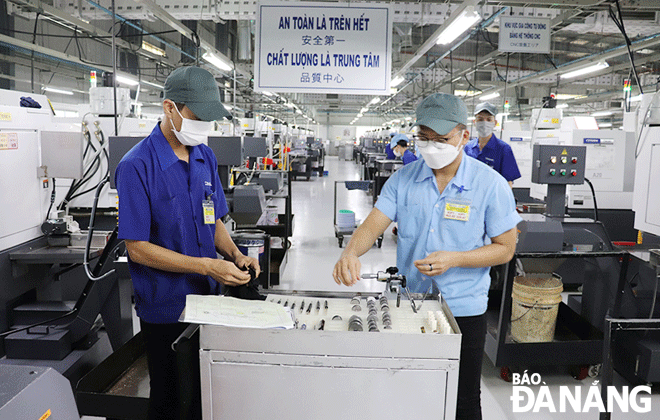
<point x="458" y="210"/>
<point x="209" y="212"/>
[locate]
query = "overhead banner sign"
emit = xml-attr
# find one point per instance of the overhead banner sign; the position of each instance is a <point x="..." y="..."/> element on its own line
<point x="524" y="35"/>
<point x="323" y="48"/>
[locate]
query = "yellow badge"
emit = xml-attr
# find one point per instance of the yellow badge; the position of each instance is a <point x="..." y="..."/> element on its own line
<point x="209" y="212"/>
<point x="457" y="211"/>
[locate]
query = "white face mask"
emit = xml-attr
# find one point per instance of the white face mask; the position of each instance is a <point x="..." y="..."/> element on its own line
<point x="193" y="132"/>
<point x="439" y="157"/>
<point x="485" y="128"/>
<point x="397" y="153"/>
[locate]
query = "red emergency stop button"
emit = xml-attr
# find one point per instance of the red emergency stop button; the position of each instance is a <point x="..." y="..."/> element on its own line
<point x="574" y="172"/>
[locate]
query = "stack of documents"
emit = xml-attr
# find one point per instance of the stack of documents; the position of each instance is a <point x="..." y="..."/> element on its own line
<point x="232" y="312"/>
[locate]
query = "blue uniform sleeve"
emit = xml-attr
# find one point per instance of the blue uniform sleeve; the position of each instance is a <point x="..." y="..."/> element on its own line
<point x="510" y="170"/>
<point x="389" y="152"/>
<point x="501" y="214"/>
<point x="387" y="199"/>
<point x="408" y="157"/>
<point x="134" y="204"/>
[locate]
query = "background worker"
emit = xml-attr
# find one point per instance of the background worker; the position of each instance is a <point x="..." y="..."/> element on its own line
<point x="456" y="219"/>
<point x="170" y="207"/>
<point x="487" y="148"/>
<point x="401" y="149"/>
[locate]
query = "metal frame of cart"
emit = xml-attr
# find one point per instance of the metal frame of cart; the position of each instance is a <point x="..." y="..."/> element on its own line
<point x="340" y="233"/>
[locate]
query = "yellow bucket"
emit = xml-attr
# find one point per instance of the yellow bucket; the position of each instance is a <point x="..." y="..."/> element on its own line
<point x="535" y="303"/>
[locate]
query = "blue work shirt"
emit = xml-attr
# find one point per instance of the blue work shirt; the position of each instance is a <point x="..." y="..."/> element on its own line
<point x="160" y="201"/>
<point x="408" y="157"/>
<point x="496" y="154"/>
<point x="411" y="198"/>
<point x="388" y="151"/>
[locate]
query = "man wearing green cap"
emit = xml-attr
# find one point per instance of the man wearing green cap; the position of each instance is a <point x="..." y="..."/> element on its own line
<point x="457" y="217"/>
<point x="170" y="207"/>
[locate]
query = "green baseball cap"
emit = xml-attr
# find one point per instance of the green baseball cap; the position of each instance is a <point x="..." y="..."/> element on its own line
<point x="198" y="90"/>
<point x="441" y="112"/>
<point x="486" y="106"/>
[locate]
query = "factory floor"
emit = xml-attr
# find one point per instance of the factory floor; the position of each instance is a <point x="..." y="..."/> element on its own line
<point x="314" y="252"/>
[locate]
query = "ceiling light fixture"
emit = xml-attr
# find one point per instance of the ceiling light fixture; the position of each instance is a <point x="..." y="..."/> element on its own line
<point x="585" y="70"/>
<point x="218" y="61"/>
<point x="396" y="81"/>
<point x="562" y="106"/>
<point x="126" y="80"/>
<point x="602" y="113"/>
<point x="156" y="85"/>
<point x="490" y="96"/>
<point x="153" y="49"/>
<point x="54" y="90"/>
<point x="374" y="101"/>
<point x="462" y="23"/>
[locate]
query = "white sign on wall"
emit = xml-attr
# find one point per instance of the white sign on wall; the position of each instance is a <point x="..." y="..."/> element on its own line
<point x="323" y="48"/>
<point x="524" y="34"/>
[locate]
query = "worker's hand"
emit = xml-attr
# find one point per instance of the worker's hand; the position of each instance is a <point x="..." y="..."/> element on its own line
<point x="437" y="263"/>
<point x="347" y="270"/>
<point x="226" y="272"/>
<point x="243" y="261"/>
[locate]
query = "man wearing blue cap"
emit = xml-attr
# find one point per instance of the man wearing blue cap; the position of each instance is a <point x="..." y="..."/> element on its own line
<point x="401" y="149"/>
<point x="170" y="207"/>
<point x="488" y="148"/>
<point x="456" y="219"/>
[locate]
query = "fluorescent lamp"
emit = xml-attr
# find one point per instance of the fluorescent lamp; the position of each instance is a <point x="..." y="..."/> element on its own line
<point x="396" y="81"/>
<point x="490" y="96"/>
<point x="468" y="93"/>
<point x="363" y="110"/>
<point x="228" y="107"/>
<point x="374" y="101"/>
<point x="126" y="80"/>
<point x="562" y="106"/>
<point x="63" y="92"/>
<point x="462" y="23"/>
<point x="217" y="61"/>
<point x="605" y="125"/>
<point x="153" y="49"/>
<point x="156" y="85"/>
<point x="566" y="96"/>
<point x="408" y="118"/>
<point x="585" y="70"/>
<point x="265" y="92"/>
<point x="359" y="115"/>
<point x="602" y="113"/>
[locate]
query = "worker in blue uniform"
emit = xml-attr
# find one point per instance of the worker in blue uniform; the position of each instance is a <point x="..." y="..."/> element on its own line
<point x="488" y="148"/>
<point x="456" y="219"/>
<point x="401" y="149"/>
<point x="388" y="148"/>
<point x="170" y="207"/>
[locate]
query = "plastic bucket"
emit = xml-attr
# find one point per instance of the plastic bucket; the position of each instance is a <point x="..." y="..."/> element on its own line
<point x="535" y="303"/>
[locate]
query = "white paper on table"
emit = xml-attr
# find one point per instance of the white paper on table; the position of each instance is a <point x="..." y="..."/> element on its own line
<point x="232" y="312"/>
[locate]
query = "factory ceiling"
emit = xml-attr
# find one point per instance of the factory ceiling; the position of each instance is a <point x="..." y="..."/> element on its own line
<point x="57" y="42"/>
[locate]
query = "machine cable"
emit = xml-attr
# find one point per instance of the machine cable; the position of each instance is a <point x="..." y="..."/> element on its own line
<point x="618" y="21"/>
<point x="593" y="194"/>
<point x="90" y="233"/>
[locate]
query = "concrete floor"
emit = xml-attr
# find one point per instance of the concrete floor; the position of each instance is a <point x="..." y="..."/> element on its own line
<point x="315" y="250"/>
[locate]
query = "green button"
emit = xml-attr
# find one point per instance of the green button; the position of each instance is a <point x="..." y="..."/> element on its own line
<point x="563" y="172"/>
<point x="552" y="172"/>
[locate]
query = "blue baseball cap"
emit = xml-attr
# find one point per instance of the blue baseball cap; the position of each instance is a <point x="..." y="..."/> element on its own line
<point x="396" y="139"/>
<point x="197" y="89"/>
<point x="486" y="106"/>
<point x="441" y="112"/>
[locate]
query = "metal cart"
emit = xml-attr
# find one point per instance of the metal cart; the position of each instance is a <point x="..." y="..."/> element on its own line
<point x="341" y="232"/>
<point x="576" y="343"/>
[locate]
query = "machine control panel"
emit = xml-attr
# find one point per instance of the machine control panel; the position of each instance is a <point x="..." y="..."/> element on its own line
<point x="558" y="164"/>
